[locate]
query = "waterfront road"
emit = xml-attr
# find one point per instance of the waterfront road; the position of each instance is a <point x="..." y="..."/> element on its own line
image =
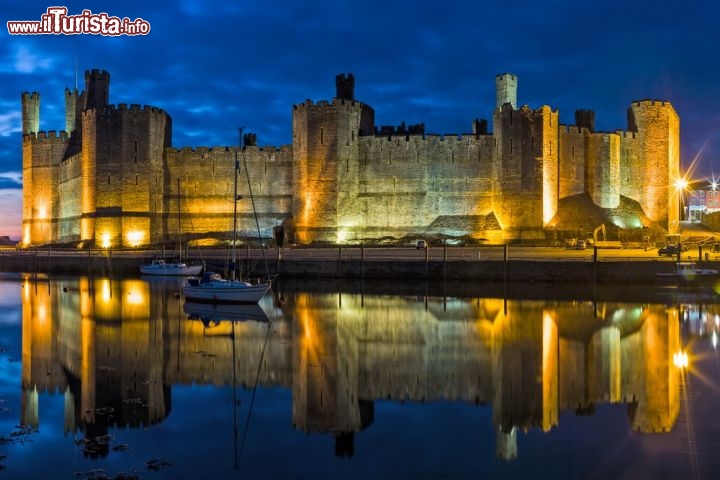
<point x="366" y="253"/>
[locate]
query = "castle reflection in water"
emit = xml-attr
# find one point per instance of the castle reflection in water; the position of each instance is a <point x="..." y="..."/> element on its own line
<point x="120" y="345"/>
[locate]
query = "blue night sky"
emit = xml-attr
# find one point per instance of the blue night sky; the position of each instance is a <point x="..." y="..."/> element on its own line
<point x="215" y="66"/>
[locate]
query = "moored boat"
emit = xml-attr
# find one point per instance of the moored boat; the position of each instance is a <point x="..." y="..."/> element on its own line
<point x="689" y="274"/>
<point x="215" y="289"/>
<point x="161" y="267"/>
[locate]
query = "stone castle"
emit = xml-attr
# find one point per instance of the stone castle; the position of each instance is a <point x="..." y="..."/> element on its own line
<point x="112" y="178"/>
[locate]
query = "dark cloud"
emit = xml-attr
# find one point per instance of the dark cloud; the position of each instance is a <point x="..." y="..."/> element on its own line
<point x="217" y="65"/>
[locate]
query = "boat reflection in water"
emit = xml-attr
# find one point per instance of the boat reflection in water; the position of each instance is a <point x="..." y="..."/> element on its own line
<point x="117" y="349"/>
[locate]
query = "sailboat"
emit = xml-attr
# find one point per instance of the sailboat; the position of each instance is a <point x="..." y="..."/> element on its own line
<point x="212" y="287"/>
<point x="159" y="266"/>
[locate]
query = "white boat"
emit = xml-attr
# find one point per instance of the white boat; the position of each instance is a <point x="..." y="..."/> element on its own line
<point x="215" y="289"/>
<point x="689" y="274"/>
<point x="161" y="267"/>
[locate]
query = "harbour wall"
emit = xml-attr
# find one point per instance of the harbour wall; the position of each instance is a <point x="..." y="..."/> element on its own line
<point x="586" y="272"/>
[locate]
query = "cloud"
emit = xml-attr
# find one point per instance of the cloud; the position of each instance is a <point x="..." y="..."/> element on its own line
<point x="27" y="61"/>
<point x="10" y="178"/>
<point x="10" y="122"/>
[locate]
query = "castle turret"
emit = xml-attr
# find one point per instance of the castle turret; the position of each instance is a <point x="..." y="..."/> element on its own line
<point x="649" y="175"/>
<point x="97" y="88"/>
<point x="71" y="109"/>
<point x="325" y="136"/>
<point x="30" y="112"/>
<point x="505" y="90"/>
<point x="585" y="119"/>
<point x="345" y="86"/>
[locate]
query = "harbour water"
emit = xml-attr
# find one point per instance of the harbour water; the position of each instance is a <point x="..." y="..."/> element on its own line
<point x="121" y="378"/>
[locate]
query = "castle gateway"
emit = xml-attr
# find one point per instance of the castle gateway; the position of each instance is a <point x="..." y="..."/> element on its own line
<point x="111" y="177"/>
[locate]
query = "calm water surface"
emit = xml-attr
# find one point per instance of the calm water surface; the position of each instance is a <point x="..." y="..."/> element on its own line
<point x="102" y="377"/>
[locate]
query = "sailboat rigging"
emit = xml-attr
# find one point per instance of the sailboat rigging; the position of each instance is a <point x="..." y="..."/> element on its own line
<point x="159" y="266"/>
<point x="212" y="287"/>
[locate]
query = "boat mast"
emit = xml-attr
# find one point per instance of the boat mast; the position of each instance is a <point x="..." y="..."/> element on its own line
<point x="235" y="200"/>
<point x="257" y="222"/>
<point x="179" y="237"/>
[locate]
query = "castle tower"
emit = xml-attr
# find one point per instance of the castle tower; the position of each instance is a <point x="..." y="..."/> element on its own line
<point x="525" y="169"/>
<point x="71" y="109"/>
<point x="345" y="86"/>
<point x="649" y="173"/>
<point x="30" y="112"/>
<point x="97" y="88"/>
<point x="325" y="143"/>
<point x="505" y="90"/>
<point x="585" y="119"/>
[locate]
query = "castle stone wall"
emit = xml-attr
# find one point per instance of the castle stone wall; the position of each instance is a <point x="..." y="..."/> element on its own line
<point x="70" y="204"/>
<point x="42" y="152"/>
<point x="603" y="169"/>
<point x="206" y="190"/>
<point x="404" y="183"/>
<point x="573" y="158"/>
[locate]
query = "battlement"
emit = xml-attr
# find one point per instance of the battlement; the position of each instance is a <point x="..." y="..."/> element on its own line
<point x="49" y="135"/>
<point x="135" y="107"/>
<point x="96" y="72"/>
<point x="335" y="102"/>
<point x="31" y="96"/>
<point x="651" y="103"/>
<point x="509" y="76"/>
<point x="211" y="150"/>
<point x="626" y="135"/>
<point x="402" y="129"/>
<point x="573" y="129"/>
<point x="123" y="107"/>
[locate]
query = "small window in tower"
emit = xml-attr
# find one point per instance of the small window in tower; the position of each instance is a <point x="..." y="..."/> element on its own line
<point x="322" y="135"/>
<point x="136" y="145"/>
<point x="136" y="179"/>
<point x="108" y="179"/>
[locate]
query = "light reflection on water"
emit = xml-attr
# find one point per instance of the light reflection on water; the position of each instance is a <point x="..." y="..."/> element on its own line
<point x="122" y="375"/>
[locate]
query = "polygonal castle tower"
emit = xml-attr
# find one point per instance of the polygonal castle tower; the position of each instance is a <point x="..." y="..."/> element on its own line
<point x="112" y="178"/>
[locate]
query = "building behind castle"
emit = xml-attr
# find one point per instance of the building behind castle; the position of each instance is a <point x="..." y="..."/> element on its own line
<point x="111" y="177"/>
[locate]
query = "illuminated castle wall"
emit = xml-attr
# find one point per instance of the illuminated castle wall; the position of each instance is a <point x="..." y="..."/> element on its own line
<point x="111" y="177"/>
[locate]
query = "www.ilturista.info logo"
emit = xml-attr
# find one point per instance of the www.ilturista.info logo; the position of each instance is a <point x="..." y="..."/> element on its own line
<point x="57" y="22"/>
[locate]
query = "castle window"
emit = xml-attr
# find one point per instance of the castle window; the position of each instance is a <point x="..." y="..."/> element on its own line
<point x="108" y="179"/>
<point x="136" y="145"/>
<point x="352" y="135"/>
<point x="511" y="146"/>
<point x="136" y="179"/>
<point x="136" y="158"/>
<point x="322" y="135"/>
